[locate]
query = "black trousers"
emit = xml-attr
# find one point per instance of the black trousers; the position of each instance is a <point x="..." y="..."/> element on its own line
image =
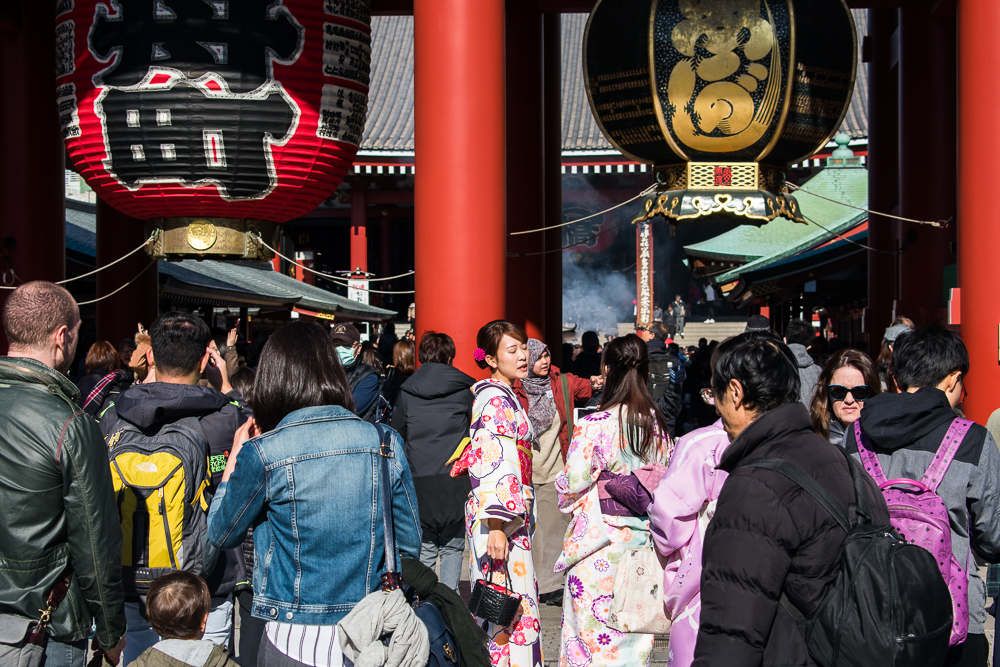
<point x="973" y="652"/>
<point x="251" y="630"/>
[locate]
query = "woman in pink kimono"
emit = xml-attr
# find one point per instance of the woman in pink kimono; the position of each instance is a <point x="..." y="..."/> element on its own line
<point x="498" y="514"/>
<point x="629" y="434"/>
<point x="683" y="504"/>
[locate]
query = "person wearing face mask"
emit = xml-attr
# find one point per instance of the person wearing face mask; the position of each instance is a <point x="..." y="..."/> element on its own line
<point x="498" y="514"/>
<point x="847" y="381"/>
<point x="364" y="380"/>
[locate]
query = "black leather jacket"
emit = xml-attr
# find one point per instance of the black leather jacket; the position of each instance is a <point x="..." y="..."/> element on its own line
<point x="58" y="506"/>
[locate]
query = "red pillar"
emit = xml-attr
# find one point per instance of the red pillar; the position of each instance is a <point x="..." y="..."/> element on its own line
<point x="883" y="174"/>
<point x="926" y="157"/>
<point x="359" y="226"/>
<point x="525" y="167"/>
<point x="32" y="182"/>
<point x="552" y="103"/>
<point x="978" y="231"/>
<point x="307" y="259"/>
<point x="117" y="316"/>
<point x="460" y="180"/>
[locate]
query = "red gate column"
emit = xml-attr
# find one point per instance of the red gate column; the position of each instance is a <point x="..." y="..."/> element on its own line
<point x="460" y="182"/>
<point x="552" y="92"/>
<point x="359" y="226"/>
<point x="526" y="193"/>
<point x="117" y="316"/>
<point x="883" y="174"/>
<point x="978" y="226"/>
<point x="31" y="171"/>
<point x="926" y="158"/>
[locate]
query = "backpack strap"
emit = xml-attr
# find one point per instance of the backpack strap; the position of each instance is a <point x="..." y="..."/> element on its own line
<point x="957" y="431"/>
<point x="868" y="457"/>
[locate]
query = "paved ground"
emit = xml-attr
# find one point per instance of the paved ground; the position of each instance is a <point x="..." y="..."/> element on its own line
<point x="551" y="618"/>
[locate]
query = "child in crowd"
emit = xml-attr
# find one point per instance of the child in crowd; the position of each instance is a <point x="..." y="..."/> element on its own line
<point x="178" y="605"/>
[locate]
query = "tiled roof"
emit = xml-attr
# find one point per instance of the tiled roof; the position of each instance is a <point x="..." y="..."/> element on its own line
<point x="390" y="99"/>
<point x="260" y="279"/>
<point x="81" y="229"/>
<point x="390" y="105"/>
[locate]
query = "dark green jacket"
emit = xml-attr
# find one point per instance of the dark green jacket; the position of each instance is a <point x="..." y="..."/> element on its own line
<point x="184" y="653"/>
<point x="57" y="506"/>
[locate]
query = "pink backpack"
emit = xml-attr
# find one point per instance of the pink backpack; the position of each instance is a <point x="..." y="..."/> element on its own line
<point x="920" y="516"/>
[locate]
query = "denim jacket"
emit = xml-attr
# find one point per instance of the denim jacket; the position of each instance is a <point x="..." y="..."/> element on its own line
<point x="310" y="488"/>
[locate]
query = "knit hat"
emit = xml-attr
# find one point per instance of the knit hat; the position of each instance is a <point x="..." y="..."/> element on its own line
<point x="758" y="323"/>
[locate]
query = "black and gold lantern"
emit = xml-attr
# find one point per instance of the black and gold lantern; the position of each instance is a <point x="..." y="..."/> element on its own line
<point x="720" y="96"/>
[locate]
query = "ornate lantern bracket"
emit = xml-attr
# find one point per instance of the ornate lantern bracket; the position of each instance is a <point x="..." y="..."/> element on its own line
<point x="744" y="191"/>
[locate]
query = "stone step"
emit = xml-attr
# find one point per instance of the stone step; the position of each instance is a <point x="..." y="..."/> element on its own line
<point x="718" y="331"/>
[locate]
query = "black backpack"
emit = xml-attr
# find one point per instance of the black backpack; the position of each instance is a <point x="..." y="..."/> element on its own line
<point x="660" y="366"/>
<point x="888" y="606"/>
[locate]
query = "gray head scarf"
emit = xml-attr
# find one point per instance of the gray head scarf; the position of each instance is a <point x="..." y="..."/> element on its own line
<point x="893" y="332"/>
<point x="541" y="405"/>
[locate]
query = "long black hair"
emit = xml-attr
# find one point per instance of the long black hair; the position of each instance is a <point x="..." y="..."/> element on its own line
<point x="627" y="362"/>
<point x="298" y="369"/>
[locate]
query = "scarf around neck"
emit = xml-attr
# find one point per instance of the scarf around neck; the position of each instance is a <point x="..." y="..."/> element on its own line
<point x="541" y="406"/>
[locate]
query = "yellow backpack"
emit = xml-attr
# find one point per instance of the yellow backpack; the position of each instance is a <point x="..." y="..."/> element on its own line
<point x="160" y="482"/>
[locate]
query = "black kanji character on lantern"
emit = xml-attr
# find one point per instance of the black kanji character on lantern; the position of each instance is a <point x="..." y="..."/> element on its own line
<point x="236" y="39"/>
<point x="181" y="135"/>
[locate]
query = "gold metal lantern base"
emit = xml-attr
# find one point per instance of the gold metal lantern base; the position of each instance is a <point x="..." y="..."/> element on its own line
<point x="744" y="191"/>
<point x="211" y="238"/>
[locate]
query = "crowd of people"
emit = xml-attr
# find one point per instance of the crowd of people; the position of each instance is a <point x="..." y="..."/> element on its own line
<point x="325" y="488"/>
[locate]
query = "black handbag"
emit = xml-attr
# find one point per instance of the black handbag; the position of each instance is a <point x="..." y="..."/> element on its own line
<point x="493" y="602"/>
<point x="443" y="647"/>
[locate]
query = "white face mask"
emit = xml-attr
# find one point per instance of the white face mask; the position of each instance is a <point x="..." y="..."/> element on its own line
<point x="345" y="354"/>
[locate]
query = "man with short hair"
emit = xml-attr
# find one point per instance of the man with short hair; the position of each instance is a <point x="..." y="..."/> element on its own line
<point x="432" y="414"/>
<point x="59" y="513"/>
<point x="680" y="313"/>
<point x="798" y="334"/>
<point x="906" y="430"/>
<point x="365" y="382"/>
<point x="666" y="376"/>
<point x="180" y="350"/>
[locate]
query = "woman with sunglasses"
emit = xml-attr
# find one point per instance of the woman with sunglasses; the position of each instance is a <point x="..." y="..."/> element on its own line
<point x="847" y="381"/>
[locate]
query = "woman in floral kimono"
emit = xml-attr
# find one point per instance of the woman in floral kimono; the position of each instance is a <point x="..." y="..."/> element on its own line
<point x="628" y="435"/>
<point x="498" y="513"/>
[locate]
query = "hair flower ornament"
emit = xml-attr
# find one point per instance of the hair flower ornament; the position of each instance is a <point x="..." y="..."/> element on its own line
<point x="479" y="354"/>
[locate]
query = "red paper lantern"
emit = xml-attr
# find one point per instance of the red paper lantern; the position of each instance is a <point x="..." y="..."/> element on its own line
<point x="235" y="109"/>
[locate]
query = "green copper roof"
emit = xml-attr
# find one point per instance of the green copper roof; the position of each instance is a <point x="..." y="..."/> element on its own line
<point x="748" y="243"/>
<point x="846" y="184"/>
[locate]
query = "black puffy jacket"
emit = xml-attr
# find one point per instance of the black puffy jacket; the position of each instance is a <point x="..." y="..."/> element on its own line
<point x="433" y="413"/>
<point x="768" y="537"/>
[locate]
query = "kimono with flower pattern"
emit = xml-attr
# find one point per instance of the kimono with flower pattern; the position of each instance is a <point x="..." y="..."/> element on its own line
<point x="595" y="544"/>
<point x="500" y="471"/>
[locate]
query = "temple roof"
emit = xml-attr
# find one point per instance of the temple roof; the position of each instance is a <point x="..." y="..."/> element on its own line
<point x="254" y="284"/>
<point x="747" y="243"/>
<point x="390" y="107"/>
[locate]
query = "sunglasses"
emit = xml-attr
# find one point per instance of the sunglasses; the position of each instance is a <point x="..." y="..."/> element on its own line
<point x="839" y="392"/>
